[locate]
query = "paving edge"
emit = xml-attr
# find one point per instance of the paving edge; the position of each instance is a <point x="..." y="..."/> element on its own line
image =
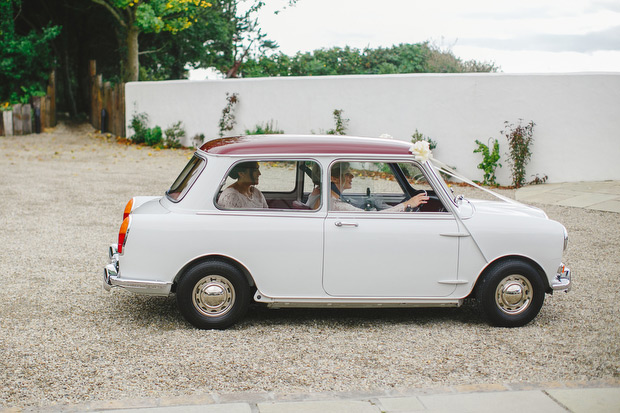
<point x="253" y="398"/>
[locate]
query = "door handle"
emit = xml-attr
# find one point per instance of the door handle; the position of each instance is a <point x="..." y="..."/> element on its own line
<point x="345" y="224"/>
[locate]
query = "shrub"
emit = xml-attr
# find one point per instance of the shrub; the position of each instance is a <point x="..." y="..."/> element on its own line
<point x="538" y="179"/>
<point x="139" y="124"/>
<point x="227" y="121"/>
<point x="268" y="129"/>
<point x="142" y="132"/>
<point x="198" y="139"/>
<point x="153" y="136"/>
<point x="489" y="161"/>
<point x="417" y="137"/>
<point x="341" y="123"/>
<point x="174" y="134"/>
<point x="519" y="140"/>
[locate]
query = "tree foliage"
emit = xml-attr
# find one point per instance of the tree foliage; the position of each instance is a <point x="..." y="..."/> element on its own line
<point x="403" y="58"/>
<point x="133" y="17"/>
<point x="223" y="39"/>
<point x="25" y="60"/>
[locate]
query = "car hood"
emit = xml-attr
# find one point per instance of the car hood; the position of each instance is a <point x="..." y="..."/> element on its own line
<point x="504" y="208"/>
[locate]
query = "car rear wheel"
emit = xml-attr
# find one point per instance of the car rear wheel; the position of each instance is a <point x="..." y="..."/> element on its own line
<point x="213" y="295"/>
<point x="511" y="294"/>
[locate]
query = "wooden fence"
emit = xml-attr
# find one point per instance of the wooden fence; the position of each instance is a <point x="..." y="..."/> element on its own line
<point x="33" y="117"/>
<point x="107" y="109"/>
<point x="107" y="104"/>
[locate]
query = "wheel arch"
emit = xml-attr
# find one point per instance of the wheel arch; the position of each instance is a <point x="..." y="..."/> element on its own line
<point x="216" y="257"/>
<point x="499" y="260"/>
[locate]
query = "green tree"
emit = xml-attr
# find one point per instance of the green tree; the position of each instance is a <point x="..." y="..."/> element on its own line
<point x="25" y="61"/>
<point x="402" y="58"/>
<point x="224" y="38"/>
<point x="149" y="16"/>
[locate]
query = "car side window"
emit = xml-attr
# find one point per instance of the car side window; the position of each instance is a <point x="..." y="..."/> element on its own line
<point x="379" y="186"/>
<point x="271" y="184"/>
<point x="415" y="177"/>
<point x="185" y="180"/>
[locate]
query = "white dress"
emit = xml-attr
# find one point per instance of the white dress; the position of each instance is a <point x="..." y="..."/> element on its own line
<point x="230" y="198"/>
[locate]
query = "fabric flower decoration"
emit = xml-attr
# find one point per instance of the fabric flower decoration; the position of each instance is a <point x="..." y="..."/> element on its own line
<point x="421" y="151"/>
<point x="386" y="136"/>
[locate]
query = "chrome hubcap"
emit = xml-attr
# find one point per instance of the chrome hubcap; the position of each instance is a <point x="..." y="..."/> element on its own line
<point x="514" y="294"/>
<point x="213" y="296"/>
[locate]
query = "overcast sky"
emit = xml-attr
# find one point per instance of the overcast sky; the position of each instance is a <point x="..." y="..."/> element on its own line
<point x="521" y="36"/>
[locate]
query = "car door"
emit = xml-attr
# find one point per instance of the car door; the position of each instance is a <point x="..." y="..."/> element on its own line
<point x="388" y="253"/>
<point x="280" y="244"/>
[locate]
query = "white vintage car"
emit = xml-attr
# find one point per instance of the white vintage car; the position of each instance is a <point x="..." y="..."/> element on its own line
<point x="332" y="221"/>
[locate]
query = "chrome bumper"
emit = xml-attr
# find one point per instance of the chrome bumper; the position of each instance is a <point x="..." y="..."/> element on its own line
<point x="562" y="281"/>
<point x="111" y="278"/>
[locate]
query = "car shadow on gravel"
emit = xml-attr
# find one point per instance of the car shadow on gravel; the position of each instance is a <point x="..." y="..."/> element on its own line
<point x="343" y="317"/>
<point x="144" y="311"/>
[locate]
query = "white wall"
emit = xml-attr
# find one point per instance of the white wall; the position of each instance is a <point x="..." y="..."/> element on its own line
<point x="577" y="116"/>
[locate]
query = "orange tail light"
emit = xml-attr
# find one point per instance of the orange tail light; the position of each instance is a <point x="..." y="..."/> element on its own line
<point x="128" y="208"/>
<point x="122" y="234"/>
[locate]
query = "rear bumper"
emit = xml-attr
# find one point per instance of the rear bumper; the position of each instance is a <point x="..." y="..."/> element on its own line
<point x="112" y="278"/>
<point x="562" y="281"/>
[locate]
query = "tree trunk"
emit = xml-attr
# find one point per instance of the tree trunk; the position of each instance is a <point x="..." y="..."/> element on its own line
<point x="131" y="64"/>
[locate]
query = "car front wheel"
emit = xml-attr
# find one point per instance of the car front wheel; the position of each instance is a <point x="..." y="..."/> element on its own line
<point x="213" y="295"/>
<point x="511" y="294"/>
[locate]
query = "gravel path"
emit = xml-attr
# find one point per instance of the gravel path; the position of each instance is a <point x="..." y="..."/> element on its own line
<point x="64" y="340"/>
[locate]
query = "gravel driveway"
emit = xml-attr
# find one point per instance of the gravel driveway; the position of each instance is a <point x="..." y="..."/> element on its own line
<point x="64" y="340"/>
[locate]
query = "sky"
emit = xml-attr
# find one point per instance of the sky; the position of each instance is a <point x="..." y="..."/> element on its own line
<point x="523" y="36"/>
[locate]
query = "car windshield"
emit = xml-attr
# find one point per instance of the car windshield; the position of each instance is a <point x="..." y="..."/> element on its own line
<point x="185" y="180"/>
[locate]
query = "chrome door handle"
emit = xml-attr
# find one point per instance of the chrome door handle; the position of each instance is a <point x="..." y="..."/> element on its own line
<point x="346" y="224"/>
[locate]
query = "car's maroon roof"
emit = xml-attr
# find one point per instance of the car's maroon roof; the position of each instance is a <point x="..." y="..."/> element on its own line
<point x="305" y="144"/>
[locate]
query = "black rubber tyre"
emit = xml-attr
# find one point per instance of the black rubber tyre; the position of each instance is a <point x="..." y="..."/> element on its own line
<point x="511" y="294"/>
<point x="213" y="295"/>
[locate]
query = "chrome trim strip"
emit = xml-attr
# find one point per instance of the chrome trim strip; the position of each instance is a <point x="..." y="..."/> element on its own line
<point x="348" y="302"/>
<point x="111" y="279"/>
<point x="361" y="304"/>
<point x="455" y="234"/>
<point x="141" y="284"/>
<point x="454" y="282"/>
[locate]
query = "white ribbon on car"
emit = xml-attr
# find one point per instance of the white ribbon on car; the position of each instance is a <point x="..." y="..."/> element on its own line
<point x="451" y="172"/>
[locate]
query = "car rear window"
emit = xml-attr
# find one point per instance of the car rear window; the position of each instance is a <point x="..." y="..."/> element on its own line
<point x="186" y="179"/>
